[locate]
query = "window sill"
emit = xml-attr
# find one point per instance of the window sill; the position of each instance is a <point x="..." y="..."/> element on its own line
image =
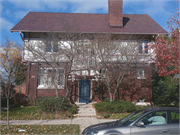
<point x="49" y="87"/>
<point x="141" y="78"/>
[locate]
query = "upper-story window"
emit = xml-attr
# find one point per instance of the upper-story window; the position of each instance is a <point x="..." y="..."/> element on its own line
<point x="143" y="47"/>
<point x="50" y="47"/>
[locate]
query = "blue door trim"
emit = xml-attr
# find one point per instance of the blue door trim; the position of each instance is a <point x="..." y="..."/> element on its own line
<point x="84" y="91"/>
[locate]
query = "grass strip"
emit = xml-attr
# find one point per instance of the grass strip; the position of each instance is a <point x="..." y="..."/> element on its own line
<point x="33" y="113"/>
<point x="41" y="129"/>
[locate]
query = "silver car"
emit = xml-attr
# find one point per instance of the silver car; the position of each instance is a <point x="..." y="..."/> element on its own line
<point x="156" y="121"/>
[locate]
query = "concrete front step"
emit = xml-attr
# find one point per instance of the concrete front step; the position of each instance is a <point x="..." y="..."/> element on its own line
<point x="85" y="110"/>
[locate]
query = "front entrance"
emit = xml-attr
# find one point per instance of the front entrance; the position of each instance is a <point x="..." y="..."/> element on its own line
<point x="84" y="91"/>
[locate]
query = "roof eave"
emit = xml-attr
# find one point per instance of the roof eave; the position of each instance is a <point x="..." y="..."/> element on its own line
<point x="94" y="32"/>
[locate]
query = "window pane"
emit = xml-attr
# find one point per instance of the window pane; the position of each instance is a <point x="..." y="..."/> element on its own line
<point x="140" y="72"/>
<point x="61" y="80"/>
<point x="41" y="80"/>
<point x="61" y="77"/>
<point x="41" y="70"/>
<point x="61" y="71"/>
<point x="55" y="48"/>
<point x="48" y="47"/>
<point x="140" y="47"/>
<point x="49" y="80"/>
<point x="146" y="49"/>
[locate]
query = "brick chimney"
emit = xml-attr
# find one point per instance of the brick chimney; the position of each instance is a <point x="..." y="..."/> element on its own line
<point x="115" y="17"/>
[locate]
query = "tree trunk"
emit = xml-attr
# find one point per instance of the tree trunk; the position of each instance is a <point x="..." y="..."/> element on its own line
<point x="8" y="112"/>
<point x="110" y="95"/>
<point x="67" y="92"/>
<point x="57" y="94"/>
<point x="114" y="96"/>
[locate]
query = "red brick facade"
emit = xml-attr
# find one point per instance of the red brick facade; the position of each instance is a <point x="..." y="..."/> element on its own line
<point x="125" y="91"/>
<point x="115" y="13"/>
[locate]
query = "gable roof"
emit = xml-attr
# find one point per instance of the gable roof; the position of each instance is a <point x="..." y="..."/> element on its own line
<point x="86" y="23"/>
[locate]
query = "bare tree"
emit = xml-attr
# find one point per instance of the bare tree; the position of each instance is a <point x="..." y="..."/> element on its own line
<point x="58" y="54"/>
<point x="115" y="57"/>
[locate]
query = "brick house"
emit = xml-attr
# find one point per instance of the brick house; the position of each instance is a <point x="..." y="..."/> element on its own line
<point x="84" y="86"/>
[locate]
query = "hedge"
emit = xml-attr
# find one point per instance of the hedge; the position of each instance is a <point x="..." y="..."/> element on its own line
<point x="117" y="106"/>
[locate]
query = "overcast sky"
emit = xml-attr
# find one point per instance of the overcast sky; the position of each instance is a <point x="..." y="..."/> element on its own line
<point x="12" y="11"/>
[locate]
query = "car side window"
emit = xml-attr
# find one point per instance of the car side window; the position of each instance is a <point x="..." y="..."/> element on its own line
<point x="174" y="118"/>
<point x="155" y="118"/>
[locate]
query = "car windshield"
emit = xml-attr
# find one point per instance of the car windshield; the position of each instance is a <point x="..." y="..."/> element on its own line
<point x="131" y="118"/>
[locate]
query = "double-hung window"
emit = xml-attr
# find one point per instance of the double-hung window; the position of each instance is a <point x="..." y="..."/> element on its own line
<point x="46" y="75"/>
<point x="143" y="47"/>
<point x="141" y="74"/>
<point x="61" y="77"/>
<point x="41" y="78"/>
<point x="51" y="47"/>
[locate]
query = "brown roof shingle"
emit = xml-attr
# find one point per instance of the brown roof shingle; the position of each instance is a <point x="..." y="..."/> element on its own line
<point x="87" y="23"/>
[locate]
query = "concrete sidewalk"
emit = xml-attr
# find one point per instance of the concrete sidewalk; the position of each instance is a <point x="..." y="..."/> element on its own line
<point x="83" y="122"/>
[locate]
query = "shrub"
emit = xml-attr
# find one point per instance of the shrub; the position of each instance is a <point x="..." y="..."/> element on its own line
<point x="117" y="106"/>
<point x="52" y="104"/>
<point x="72" y="109"/>
<point x="20" y="99"/>
<point x="31" y="101"/>
<point x="99" y="101"/>
<point x="102" y="107"/>
<point x="106" y="100"/>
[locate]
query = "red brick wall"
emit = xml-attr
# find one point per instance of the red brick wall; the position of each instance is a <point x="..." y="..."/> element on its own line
<point x="34" y="92"/>
<point x="115" y="13"/>
<point x="33" y="80"/>
<point x="20" y="88"/>
<point x="50" y="92"/>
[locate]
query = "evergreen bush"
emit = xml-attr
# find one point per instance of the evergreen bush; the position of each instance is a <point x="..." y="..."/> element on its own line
<point x="117" y="106"/>
<point x="72" y="109"/>
<point x="53" y="104"/>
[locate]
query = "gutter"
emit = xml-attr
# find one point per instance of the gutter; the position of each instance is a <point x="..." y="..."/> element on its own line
<point x="93" y="32"/>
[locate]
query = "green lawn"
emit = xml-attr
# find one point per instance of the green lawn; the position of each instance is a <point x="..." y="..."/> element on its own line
<point x="33" y="113"/>
<point x="41" y="129"/>
<point x="111" y="116"/>
<point x="105" y="115"/>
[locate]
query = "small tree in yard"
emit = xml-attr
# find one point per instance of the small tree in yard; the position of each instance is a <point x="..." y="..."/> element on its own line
<point x="10" y="55"/>
<point x="167" y="49"/>
<point x="165" y="90"/>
